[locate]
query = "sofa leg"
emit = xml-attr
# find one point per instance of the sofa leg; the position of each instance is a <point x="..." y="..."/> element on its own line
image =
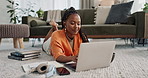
<point x="132" y="42"/>
<point x="142" y="41"/>
<point x="126" y="40"/>
<point x="20" y="41"/>
<point x="15" y="42"/>
<point x="0" y="40"/>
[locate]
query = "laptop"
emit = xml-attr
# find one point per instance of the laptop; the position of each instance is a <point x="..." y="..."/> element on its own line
<point x="93" y="55"/>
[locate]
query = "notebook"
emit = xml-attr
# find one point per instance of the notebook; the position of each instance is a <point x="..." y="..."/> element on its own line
<point x="93" y="55"/>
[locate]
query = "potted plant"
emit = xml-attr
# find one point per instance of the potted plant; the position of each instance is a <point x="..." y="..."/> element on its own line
<point x="145" y="9"/>
<point x="40" y="13"/>
<point x="13" y="7"/>
<point x="30" y="10"/>
<point x="16" y="12"/>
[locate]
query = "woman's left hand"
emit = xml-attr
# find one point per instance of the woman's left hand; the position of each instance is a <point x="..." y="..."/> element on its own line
<point x="74" y="58"/>
<point x="64" y="59"/>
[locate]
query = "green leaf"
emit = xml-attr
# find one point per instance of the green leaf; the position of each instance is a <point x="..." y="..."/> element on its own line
<point x="16" y="17"/>
<point x="32" y="11"/>
<point x="15" y="20"/>
<point x="17" y="4"/>
<point x="12" y="2"/>
<point x="11" y="14"/>
<point x="10" y="11"/>
<point x="9" y="1"/>
<point x="145" y="7"/>
<point x="9" y="6"/>
<point x="19" y="21"/>
<point x="11" y="20"/>
<point x="17" y="8"/>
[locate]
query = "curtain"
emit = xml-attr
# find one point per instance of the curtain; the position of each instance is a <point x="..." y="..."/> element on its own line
<point x="50" y="4"/>
<point x="84" y="4"/>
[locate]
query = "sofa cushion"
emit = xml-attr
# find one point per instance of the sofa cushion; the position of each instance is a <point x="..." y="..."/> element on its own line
<point x="37" y="22"/>
<point x="119" y="13"/>
<point x="131" y="19"/>
<point x="87" y="15"/>
<point x="109" y="29"/>
<point x="102" y="13"/>
<point x="40" y="30"/>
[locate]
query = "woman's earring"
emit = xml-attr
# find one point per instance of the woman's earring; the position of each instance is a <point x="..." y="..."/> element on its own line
<point x="65" y="28"/>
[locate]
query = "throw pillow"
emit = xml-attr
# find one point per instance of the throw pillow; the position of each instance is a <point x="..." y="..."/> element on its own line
<point x="101" y="14"/>
<point x="119" y="13"/>
<point x="37" y="22"/>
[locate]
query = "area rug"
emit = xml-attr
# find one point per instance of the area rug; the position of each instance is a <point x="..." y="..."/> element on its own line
<point x="129" y="62"/>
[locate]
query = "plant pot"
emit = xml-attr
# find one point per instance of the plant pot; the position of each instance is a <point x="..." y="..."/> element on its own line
<point x="146" y="11"/>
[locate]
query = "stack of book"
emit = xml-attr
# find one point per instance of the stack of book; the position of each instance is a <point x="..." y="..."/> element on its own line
<point x="24" y="55"/>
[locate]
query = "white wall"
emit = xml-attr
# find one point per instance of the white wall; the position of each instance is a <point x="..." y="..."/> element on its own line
<point x="4" y="16"/>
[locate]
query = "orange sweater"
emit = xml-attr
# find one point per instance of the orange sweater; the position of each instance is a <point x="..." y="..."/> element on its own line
<point x="61" y="46"/>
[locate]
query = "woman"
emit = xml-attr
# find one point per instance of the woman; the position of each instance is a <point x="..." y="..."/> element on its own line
<point x="46" y="43"/>
<point x="65" y="43"/>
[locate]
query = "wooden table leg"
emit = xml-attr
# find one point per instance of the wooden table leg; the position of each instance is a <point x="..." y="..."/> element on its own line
<point x="20" y="40"/>
<point x="15" y="42"/>
<point x="0" y="40"/>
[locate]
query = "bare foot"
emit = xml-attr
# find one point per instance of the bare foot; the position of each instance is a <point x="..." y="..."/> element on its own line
<point x="54" y="25"/>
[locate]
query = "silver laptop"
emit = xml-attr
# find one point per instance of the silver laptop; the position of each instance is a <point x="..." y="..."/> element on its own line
<point x="94" y="55"/>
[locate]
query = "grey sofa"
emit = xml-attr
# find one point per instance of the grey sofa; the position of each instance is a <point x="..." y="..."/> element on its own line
<point x="135" y="28"/>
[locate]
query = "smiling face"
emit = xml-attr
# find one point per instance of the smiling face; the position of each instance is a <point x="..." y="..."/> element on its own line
<point x="72" y="25"/>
